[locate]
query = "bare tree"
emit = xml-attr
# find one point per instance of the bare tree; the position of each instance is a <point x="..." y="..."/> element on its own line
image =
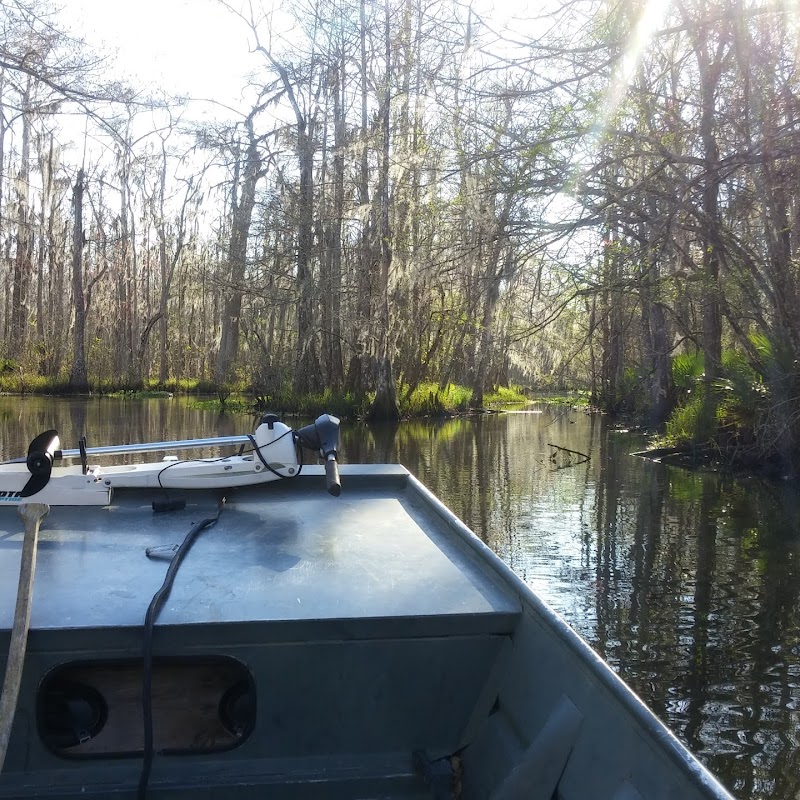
<point x="78" y="379"/>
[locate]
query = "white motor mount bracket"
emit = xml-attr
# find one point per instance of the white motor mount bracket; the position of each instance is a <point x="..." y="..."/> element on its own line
<point x="68" y="486"/>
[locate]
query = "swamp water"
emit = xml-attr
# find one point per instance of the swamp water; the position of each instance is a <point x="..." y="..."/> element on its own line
<point x="687" y="583"/>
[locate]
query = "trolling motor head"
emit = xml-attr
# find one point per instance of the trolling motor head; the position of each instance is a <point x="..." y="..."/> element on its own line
<point x="322" y="436"/>
<point x="42" y="451"/>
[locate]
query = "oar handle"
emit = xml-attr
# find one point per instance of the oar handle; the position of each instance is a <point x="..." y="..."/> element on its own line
<point x="32" y="515"/>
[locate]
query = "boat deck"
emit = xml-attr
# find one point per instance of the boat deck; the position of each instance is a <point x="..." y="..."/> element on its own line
<point x="371" y="636"/>
<point x="372" y="560"/>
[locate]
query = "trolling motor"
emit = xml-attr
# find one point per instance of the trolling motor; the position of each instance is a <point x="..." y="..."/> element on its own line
<point x="274" y="455"/>
<point x="322" y="435"/>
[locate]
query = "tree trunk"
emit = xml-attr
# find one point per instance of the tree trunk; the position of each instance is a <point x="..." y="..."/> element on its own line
<point x="242" y="214"/>
<point x="655" y="343"/>
<point x="3" y="130"/>
<point x="359" y="370"/>
<point x="166" y="273"/>
<point x="712" y="326"/>
<point x="710" y="241"/>
<point x="332" y="285"/>
<point x="611" y="325"/>
<point x="46" y="167"/>
<point x="78" y="380"/>
<point x="125" y="311"/>
<point x="22" y="260"/>
<point x="385" y="406"/>
<point x="500" y="267"/>
<point x="57" y="264"/>
<point x="307" y="370"/>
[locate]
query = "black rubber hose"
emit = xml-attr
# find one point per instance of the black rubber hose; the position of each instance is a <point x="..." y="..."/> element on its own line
<point x="156" y="604"/>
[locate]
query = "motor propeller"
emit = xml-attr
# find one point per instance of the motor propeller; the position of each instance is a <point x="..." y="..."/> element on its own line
<point x="42" y="451"/>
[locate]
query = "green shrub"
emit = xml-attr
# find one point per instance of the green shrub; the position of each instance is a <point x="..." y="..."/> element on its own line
<point x="429" y="400"/>
<point x="687" y="370"/>
<point x="740" y="411"/>
<point x="684" y="423"/>
<point x="505" y="395"/>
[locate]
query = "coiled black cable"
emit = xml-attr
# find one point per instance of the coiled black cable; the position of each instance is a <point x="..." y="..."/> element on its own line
<point x="156" y="604"/>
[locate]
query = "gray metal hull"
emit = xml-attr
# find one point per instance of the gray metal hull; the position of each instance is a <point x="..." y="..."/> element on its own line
<point x="387" y="651"/>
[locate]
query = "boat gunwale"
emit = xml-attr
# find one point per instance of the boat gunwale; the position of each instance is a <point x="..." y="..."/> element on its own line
<point x="652" y="726"/>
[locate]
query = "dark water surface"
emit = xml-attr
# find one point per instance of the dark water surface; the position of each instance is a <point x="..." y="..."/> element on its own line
<point x="688" y="584"/>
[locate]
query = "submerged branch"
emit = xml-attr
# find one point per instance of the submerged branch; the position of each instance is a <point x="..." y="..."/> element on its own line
<point x="583" y="457"/>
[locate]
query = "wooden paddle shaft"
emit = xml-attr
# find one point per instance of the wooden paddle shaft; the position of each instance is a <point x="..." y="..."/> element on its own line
<point x="32" y="515"/>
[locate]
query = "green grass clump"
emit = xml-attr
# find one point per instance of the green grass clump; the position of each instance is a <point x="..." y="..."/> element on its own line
<point x="19" y="383"/>
<point x="734" y="404"/>
<point x="684" y="423"/>
<point x="504" y="396"/>
<point x="429" y="400"/>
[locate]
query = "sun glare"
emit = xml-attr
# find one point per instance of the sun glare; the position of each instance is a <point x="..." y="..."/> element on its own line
<point x="650" y="20"/>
